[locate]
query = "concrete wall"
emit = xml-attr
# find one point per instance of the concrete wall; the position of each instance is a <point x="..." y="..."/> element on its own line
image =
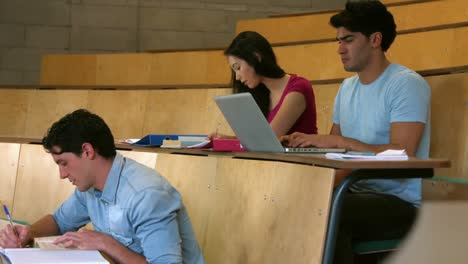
<point x="31" y="28"/>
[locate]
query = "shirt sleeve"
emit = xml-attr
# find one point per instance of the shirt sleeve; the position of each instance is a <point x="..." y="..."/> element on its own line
<point x="155" y="222"/>
<point x="72" y="214"/>
<point x="411" y="101"/>
<point x="303" y="87"/>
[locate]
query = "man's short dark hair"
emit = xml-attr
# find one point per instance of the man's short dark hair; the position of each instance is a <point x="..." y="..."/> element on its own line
<point x="77" y="128"/>
<point x="367" y="17"/>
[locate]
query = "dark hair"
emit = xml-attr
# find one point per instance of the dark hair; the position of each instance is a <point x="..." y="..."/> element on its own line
<point x="367" y="17"/>
<point x="77" y="128"/>
<point x="258" y="53"/>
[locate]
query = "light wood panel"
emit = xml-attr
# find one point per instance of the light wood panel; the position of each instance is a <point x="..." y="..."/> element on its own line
<point x="39" y="190"/>
<point x="14" y="104"/>
<point x="445" y="47"/>
<point x="8" y="167"/>
<point x="315" y="27"/>
<point x="48" y="106"/>
<point x="190" y="67"/>
<point x="124" y="69"/>
<point x="129" y="113"/>
<point x="420" y="51"/>
<point x="449" y="127"/>
<point x="402" y="1"/>
<point x="68" y="69"/>
<point x="184" y="111"/>
<point x="443" y="190"/>
<point x="194" y="178"/>
<point x="146" y="158"/>
<point x="257" y="207"/>
<point x="123" y="111"/>
<point x="164" y="68"/>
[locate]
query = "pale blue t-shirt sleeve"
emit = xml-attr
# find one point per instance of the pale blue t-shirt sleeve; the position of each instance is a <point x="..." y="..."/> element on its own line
<point x="411" y="100"/>
<point x="72" y="214"/>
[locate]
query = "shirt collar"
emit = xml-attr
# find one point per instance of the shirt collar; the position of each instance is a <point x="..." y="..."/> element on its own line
<point x="112" y="183"/>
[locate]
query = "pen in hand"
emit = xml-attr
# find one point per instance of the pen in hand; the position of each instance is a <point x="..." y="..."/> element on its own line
<point x="7" y="213"/>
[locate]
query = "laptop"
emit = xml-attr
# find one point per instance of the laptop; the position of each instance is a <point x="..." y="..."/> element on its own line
<point x="250" y="126"/>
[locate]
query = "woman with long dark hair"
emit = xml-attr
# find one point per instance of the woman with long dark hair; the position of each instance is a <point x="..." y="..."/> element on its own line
<point x="286" y="100"/>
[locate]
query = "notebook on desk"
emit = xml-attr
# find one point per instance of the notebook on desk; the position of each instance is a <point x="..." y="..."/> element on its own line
<point x="250" y="126"/>
<point x="38" y="256"/>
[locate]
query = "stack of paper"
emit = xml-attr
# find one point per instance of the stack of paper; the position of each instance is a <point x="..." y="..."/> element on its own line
<point x="390" y="154"/>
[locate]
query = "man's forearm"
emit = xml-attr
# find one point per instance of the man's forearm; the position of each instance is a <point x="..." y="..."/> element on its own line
<point x="355" y="145"/>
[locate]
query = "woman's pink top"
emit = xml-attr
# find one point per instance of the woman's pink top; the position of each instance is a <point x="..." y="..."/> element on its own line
<point x="307" y="121"/>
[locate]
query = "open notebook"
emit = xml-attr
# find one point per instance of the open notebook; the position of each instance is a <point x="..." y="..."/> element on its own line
<point x="250" y="126"/>
<point x="38" y="256"/>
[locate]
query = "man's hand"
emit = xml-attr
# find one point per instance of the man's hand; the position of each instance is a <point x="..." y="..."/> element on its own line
<point x="84" y="239"/>
<point x="298" y="139"/>
<point x="8" y="238"/>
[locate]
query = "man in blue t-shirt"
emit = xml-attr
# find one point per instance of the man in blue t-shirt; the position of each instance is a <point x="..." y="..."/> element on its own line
<point x="385" y="106"/>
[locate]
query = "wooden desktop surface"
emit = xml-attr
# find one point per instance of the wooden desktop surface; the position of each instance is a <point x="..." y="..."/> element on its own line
<point x="307" y="159"/>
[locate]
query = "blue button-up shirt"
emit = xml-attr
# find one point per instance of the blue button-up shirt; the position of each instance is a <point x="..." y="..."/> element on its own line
<point x="140" y="209"/>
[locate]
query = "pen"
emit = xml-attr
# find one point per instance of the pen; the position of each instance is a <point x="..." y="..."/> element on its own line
<point x="5" y="208"/>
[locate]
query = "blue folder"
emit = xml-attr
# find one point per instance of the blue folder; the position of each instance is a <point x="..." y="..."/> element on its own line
<point x="153" y="140"/>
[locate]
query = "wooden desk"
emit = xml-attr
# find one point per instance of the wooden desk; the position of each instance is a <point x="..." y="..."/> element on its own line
<point x="412" y="168"/>
<point x="245" y="207"/>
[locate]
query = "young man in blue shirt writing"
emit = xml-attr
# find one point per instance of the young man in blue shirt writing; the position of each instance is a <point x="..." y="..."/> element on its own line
<point x="385" y="106"/>
<point x="138" y="217"/>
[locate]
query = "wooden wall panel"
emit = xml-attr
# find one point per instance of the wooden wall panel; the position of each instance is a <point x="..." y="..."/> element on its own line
<point x="210" y="67"/>
<point x="48" y="106"/>
<point x="243" y="210"/>
<point x="444" y="190"/>
<point x="146" y="158"/>
<point x="122" y="110"/>
<point x="124" y="69"/>
<point x="8" y="167"/>
<point x="256" y="206"/>
<point x="184" y="111"/>
<point x="14" y="104"/>
<point x="449" y="127"/>
<point x="68" y="69"/>
<point x="190" y="67"/>
<point x="402" y="1"/>
<point x="315" y="27"/>
<point x="39" y="190"/>
<point x="164" y="68"/>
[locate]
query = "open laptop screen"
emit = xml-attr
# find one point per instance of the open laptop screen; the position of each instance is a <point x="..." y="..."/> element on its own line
<point x="250" y="126"/>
